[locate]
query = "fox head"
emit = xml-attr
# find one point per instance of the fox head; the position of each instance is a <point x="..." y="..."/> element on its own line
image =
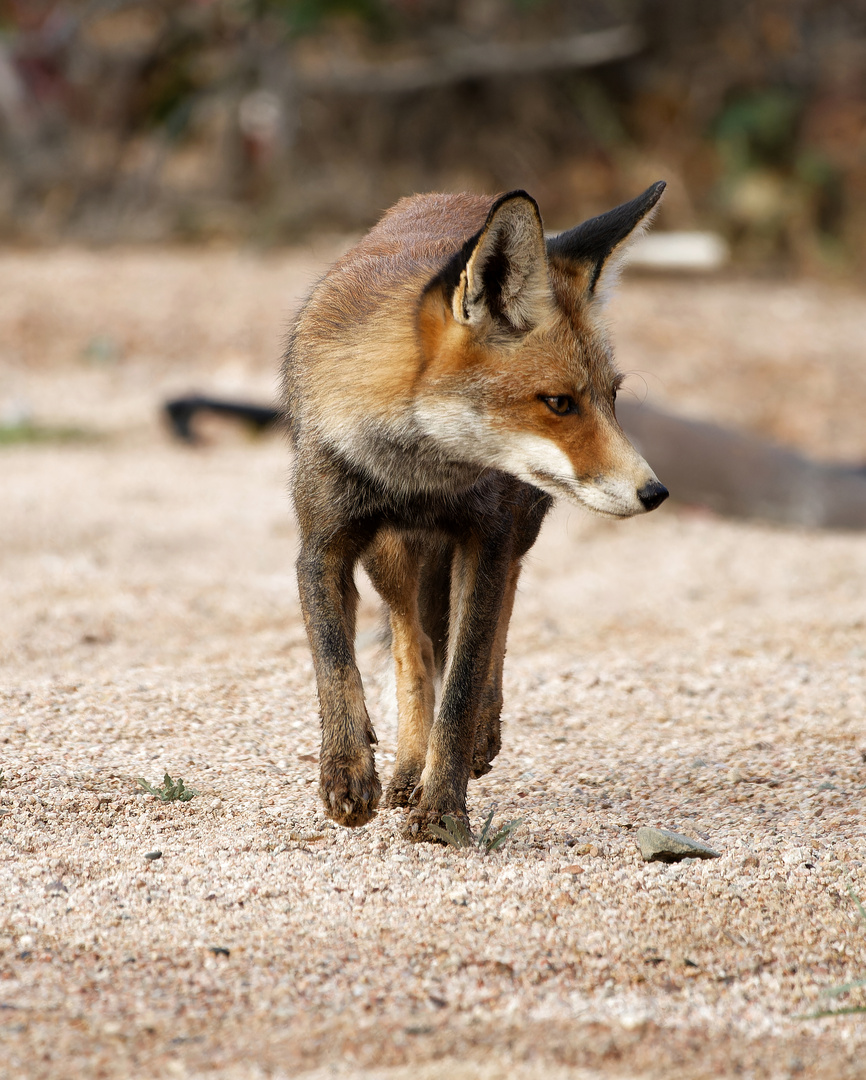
<point x="517" y="371"/>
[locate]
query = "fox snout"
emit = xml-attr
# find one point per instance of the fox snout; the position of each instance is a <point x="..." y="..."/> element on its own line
<point x="631" y="489"/>
<point x="623" y="486"/>
<point x="619" y="496"/>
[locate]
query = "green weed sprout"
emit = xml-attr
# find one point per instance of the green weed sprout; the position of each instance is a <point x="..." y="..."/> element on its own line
<point x="170" y="791"/>
<point x="458" y="835"/>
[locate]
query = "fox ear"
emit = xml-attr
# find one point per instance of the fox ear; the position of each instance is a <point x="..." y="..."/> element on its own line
<point x="597" y="246"/>
<point x="501" y="272"/>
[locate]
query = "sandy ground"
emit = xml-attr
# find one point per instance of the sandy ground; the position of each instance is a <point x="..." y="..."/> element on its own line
<point x="678" y="671"/>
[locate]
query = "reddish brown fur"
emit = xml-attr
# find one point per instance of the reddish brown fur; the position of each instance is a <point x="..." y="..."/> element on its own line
<point x="426" y="380"/>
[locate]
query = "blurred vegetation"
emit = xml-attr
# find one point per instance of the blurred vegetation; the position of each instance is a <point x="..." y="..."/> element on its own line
<point x="131" y="120"/>
<point x="27" y="432"/>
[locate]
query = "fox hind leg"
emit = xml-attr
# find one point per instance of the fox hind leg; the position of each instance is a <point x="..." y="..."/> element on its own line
<point x="434" y="604"/>
<point x="488" y="739"/>
<point x="528" y="509"/>
<point x="393" y="565"/>
<point x="480" y="569"/>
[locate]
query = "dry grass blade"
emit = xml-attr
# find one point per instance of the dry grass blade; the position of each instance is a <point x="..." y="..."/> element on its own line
<point x="843" y="988"/>
<point x="848" y="1010"/>
<point x="857" y="901"/>
<point x="837" y="991"/>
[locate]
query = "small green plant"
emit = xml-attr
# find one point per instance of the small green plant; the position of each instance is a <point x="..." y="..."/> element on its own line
<point x="458" y="835"/>
<point x="844" y="988"/>
<point x="170" y="791"/>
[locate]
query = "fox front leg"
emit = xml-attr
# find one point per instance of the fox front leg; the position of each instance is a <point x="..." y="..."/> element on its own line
<point x="349" y="786"/>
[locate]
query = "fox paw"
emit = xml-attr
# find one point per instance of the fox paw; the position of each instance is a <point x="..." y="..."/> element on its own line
<point x="423" y="815"/>
<point x="401" y="789"/>
<point x="350" y="791"/>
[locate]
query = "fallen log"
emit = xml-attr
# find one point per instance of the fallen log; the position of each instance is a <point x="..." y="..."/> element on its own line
<point x="741" y="475"/>
<point x="729" y="472"/>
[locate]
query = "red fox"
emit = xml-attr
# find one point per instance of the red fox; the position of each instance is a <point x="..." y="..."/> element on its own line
<point x="447" y="379"/>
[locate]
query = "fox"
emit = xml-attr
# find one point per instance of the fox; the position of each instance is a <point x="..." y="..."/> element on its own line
<point x="446" y="380"/>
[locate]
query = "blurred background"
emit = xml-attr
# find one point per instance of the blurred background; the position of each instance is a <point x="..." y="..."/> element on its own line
<point x="269" y="120"/>
<point x="174" y="174"/>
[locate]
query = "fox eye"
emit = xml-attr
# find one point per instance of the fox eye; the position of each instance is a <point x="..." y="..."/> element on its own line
<point x="561" y="404"/>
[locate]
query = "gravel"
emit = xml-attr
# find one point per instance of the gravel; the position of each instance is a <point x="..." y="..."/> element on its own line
<point x="677" y="672"/>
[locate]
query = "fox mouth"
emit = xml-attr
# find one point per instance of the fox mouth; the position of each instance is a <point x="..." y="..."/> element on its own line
<point x="575" y="491"/>
<point x="551" y="480"/>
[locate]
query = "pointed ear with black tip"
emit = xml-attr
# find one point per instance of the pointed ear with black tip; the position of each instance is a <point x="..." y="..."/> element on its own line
<point x="501" y="273"/>
<point x="598" y="245"/>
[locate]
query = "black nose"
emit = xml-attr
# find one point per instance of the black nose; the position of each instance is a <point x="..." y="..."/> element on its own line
<point x="652" y="494"/>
